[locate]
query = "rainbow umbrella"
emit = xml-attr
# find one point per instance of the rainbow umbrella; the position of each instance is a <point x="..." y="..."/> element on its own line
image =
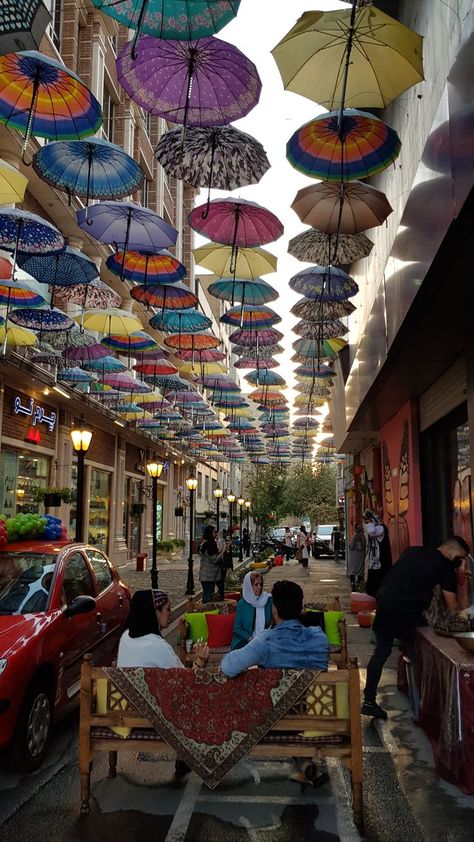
<point x="136" y="342"/>
<point x="192" y="341"/>
<point x="105" y="365"/>
<point x="112" y="321"/>
<point x="320" y="329"/>
<point x="40" y="96"/>
<point x="311" y="310"/>
<point x="248" y="292"/>
<point x="311" y="348"/>
<point x="248" y="263"/>
<point x="343" y="146"/>
<point x="219" y="382"/>
<point x="180" y="321"/>
<point x="324" y="283"/>
<point x="165" y="296"/>
<point x="250" y="318"/>
<point x="16" y="294"/>
<point x="141" y="267"/>
<point x="313" y="246"/>
<point x="42" y="320"/>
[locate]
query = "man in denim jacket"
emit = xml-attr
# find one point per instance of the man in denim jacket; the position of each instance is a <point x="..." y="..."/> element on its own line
<point x="288" y="645"/>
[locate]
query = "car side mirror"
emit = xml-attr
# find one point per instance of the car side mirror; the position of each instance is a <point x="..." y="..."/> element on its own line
<point x="80" y="605"/>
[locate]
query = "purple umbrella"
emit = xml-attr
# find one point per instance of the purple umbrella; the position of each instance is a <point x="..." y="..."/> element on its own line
<point x="207" y="82"/>
<point x="257" y="338"/>
<point x="86" y="354"/>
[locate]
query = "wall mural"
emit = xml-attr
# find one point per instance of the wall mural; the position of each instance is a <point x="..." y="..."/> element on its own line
<point x="396" y="483"/>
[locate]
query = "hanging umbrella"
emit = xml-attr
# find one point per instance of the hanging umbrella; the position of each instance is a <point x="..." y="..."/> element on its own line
<point x="205" y="368"/>
<point x="312" y="246"/>
<point x="238" y="289"/>
<point x="257" y="338"/>
<point x="86" y="355"/>
<point x="92" y="168"/>
<point x="359" y="57"/>
<point x="313" y="388"/>
<point x="68" y="267"/>
<point x="343" y="146"/>
<point x="266" y="397"/>
<point x="236" y="223"/>
<point x="165" y="296"/>
<point x="42" y="320"/>
<point x="22" y="25"/>
<point x="180" y="321"/>
<point x="69" y="339"/>
<point x="21" y="231"/>
<point x="124" y="382"/>
<point x="265" y="378"/>
<point x="74" y="375"/>
<point x="131" y="344"/>
<point x="324" y="283"/>
<point x="312" y="310"/>
<point x="12" y="183"/>
<point x="16" y="294"/>
<point x="12" y="335"/>
<point x="320" y="329"/>
<point x="40" y="96"/>
<point x="308" y="403"/>
<point x="105" y="365"/>
<point x="250" y="318"/>
<point x="343" y="208"/>
<point x="248" y="263"/>
<point x="48" y="356"/>
<point x="311" y="348"/>
<point x="113" y="321"/>
<point x="204" y="356"/>
<point x="264" y="352"/>
<point x="156" y="368"/>
<point x="207" y="82"/>
<point x="96" y="295"/>
<point x="314" y="372"/>
<point x="252" y="362"/>
<point x="141" y="267"/>
<point x="192" y="341"/>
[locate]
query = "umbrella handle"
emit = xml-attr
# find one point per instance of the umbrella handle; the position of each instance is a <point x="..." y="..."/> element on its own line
<point x="141" y="18"/>
<point x="205" y="212"/>
<point x="31" y="117"/>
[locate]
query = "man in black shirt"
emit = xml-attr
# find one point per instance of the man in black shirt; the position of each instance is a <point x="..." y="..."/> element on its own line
<point x="405" y="593"/>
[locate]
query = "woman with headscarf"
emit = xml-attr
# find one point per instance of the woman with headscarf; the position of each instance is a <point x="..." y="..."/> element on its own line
<point x="303" y="546"/>
<point x="211" y="562"/>
<point x="253" y="613"/>
<point x="379" y="551"/>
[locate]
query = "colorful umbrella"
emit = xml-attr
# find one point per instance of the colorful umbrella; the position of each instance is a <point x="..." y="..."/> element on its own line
<point x="156" y="368"/>
<point x="40" y="96"/>
<point x="12" y="335"/>
<point x="105" y="365"/>
<point x="312" y="246"/>
<point x="126" y="225"/>
<point x="313" y="388"/>
<point x="311" y="348"/>
<point x="96" y="295"/>
<point x="86" y="355"/>
<point x="69" y="339"/>
<point x="48" y="356"/>
<point x="249" y="263"/>
<point x="22" y="25"/>
<point x="91" y="169"/>
<point x="312" y="310"/>
<point x="266" y="397"/>
<point x="24" y="231"/>
<point x="381" y="56"/>
<point x="16" y="294"/>
<point x="204" y="356"/>
<point x="341" y="208"/>
<point x="258" y="338"/>
<point x="180" y="321"/>
<point x="74" y="375"/>
<point x="207" y="82"/>
<point x="324" y="283"/>
<point x="113" y="321"/>
<point x="68" y="267"/>
<point x="42" y="320"/>
<point x="130" y="344"/>
<point x="248" y="292"/>
<point x="192" y="341"/>
<point x="12" y="184"/>
<point x="320" y="329"/>
<point x="314" y="372"/>
<point x="252" y="362"/>
<point x="236" y="223"/>
<point x="142" y="267"/>
<point x="265" y="378"/>
<point x="165" y="296"/>
<point x="264" y="352"/>
<point x="124" y="382"/>
<point x="250" y="318"/>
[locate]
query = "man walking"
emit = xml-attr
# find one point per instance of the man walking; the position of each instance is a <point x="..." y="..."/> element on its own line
<point x="405" y="593"/>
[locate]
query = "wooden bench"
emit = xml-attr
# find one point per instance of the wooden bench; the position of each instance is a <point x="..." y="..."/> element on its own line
<point x="287" y="739"/>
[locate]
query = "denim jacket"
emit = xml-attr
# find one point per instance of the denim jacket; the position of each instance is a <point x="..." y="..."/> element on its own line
<point x="289" y="645"/>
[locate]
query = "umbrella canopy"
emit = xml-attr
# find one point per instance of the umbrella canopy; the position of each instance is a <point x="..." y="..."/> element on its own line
<point x="182" y="81"/>
<point x="205" y="368"/>
<point x="313" y="246"/>
<point x="313" y="388"/>
<point x="172" y="296"/>
<point x="252" y="362"/>
<point x="250" y="317"/>
<point x="311" y="348"/>
<point x="384" y="57"/>
<point x="142" y="267"/>
<point x="204" y="356"/>
<point x="124" y="382"/>
<point x="312" y="310"/>
<point x="238" y="289"/>
<point x="22" y="25"/>
<point x="24" y="231"/>
<point x="130" y="344"/>
<point x="180" y="321"/>
<point x="86" y="355"/>
<point x="105" y="365"/>
<point x="48" y="356"/>
<point x="338" y="147"/>
<point x="69" y="339"/>
<point x="43" y="320"/>
<point x="264" y="352"/>
<point x="248" y="263"/>
<point x="91" y="169"/>
<point x="324" y="283"/>
<point x="182" y="20"/>
<point x="156" y="368"/>
<point x="320" y="329"/>
<point x="192" y="341"/>
<point x="68" y="267"/>
<point x="308" y="403"/>
<point x="113" y="321"/>
<point x="314" y="372"/>
<point x="344" y="208"/>
<point x="12" y="335"/>
<point x="74" y="375"/>
<point x="96" y="295"/>
<point x="265" y="378"/>
<point x="266" y="397"/>
<point x="258" y="338"/>
<point x="235" y="222"/>
<point x="127" y="225"/>
<point x="12" y="183"/>
<point x="40" y="96"/>
<point x="16" y="294"/>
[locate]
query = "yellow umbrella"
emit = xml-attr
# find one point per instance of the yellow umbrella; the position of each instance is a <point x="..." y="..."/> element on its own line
<point x="375" y="55"/>
<point x="148" y="397"/>
<point x="12" y="184"/>
<point x="309" y="402"/>
<point x="250" y="264"/>
<point x="203" y="368"/>
<point x="14" y="335"/>
<point x="136" y="416"/>
<point x="113" y="321"/>
<point x="239" y="412"/>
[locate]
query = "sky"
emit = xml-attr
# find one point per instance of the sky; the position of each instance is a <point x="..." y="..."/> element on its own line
<point x="258" y="27"/>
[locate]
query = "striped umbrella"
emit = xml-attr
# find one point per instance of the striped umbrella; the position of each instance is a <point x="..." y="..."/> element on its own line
<point x="136" y="342"/>
<point x="16" y="294"/>
<point x="256" y="338"/>
<point x="250" y="318"/>
<point x="165" y="296"/>
<point x="140" y="267"/>
<point x="312" y="348"/>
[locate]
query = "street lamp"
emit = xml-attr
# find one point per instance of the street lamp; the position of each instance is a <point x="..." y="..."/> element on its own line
<point x="231" y="501"/>
<point x="81" y="439"/>
<point x="218" y="492"/>
<point x="241" y="502"/>
<point x="154" y="471"/>
<point x="191" y="485"/>
<point x="247" y="506"/>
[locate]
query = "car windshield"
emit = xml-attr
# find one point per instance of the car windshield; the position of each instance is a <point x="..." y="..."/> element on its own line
<point x="325" y="530"/>
<point x="25" y="582"/>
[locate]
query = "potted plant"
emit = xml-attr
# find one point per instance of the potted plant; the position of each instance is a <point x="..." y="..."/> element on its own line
<point x="51" y="496"/>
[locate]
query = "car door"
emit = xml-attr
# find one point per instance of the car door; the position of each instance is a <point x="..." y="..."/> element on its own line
<point x="112" y="608"/>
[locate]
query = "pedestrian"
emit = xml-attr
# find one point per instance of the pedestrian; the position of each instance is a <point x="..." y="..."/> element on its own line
<point x="287" y="540"/>
<point x="379" y="552"/>
<point x="335" y="542"/>
<point x="405" y="593"/>
<point x="211" y="557"/>
<point x="246" y="542"/>
<point x="303" y="546"/>
<point x="357" y="551"/>
<point x="225" y="562"/>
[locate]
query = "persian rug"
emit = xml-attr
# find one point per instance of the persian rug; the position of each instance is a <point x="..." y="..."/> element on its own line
<point x="209" y="720"/>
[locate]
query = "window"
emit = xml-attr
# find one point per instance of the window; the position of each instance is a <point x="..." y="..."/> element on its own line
<point x="113" y="40"/>
<point x="99" y="508"/>
<point x="108" y="110"/>
<point x="21" y="473"/>
<point x="145" y="193"/>
<point x="206" y="488"/>
<point x="77" y="579"/>
<point x="199" y="488"/>
<point x="102" y="571"/>
<point x="146" y="121"/>
<point x="54" y="28"/>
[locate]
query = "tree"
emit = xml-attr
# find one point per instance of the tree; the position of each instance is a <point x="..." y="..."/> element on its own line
<point x="310" y="492"/>
<point x="266" y="494"/>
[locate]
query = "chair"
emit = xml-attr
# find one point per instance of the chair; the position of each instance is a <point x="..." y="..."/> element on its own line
<point x="227" y="606"/>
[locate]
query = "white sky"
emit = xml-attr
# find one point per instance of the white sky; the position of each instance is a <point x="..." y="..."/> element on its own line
<point x="258" y="27"/>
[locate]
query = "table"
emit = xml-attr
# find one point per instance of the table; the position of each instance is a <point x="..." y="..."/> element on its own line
<point x="445" y="678"/>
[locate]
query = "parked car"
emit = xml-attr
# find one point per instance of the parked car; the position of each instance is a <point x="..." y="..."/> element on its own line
<point x="324" y="533"/>
<point x="57" y="602"/>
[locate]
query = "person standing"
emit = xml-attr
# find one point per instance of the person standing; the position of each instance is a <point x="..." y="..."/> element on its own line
<point x="303" y="546"/>
<point x="357" y="551"/>
<point x="246" y="542"/>
<point x="379" y="552"/>
<point x="335" y="542"/>
<point x="405" y="593"/>
<point x="211" y="558"/>
<point x="287" y="542"/>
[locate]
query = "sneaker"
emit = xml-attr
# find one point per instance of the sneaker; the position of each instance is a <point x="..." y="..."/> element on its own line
<point x="373" y="709"/>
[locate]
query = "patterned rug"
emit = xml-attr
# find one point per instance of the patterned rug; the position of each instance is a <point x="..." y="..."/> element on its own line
<point x="209" y="720"/>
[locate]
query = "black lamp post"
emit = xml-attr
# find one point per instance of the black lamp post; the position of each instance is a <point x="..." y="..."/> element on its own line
<point x="81" y="438"/>
<point x="247" y="506"/>
<point x="241" y="502"/>
<point x="154" y="470"/>
<point x="218" y="492"/>
<point x="231" y="501"/>
<point x="191" y="485"/>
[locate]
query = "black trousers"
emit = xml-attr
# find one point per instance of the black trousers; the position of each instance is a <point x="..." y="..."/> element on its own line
<point x="382" y="651"/>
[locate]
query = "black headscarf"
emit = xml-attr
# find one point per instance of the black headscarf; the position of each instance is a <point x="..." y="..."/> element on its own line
<point x="209" y="546"/>
<point x="142" y="617"/>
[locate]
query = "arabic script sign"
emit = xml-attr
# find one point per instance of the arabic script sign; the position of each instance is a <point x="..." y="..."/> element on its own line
<point x="36" y="413"/>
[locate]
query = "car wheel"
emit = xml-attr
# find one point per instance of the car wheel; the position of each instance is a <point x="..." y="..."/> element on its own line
<point x="317" y="554"/>
<point x="33" y="728"/>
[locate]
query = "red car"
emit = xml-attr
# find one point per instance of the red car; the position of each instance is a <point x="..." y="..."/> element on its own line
<point x="57" y="602"/>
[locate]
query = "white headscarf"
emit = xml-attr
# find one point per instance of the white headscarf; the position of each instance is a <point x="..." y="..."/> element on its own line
<point x="257" y="602"/>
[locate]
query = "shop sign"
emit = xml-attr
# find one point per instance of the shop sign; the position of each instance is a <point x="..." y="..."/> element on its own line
<point x="36" y="412"/>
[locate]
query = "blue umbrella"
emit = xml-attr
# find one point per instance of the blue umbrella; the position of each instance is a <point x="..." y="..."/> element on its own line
<point x="265" y="378"/>
<point x="23" y="231"/>
<point x="75" y="375"/>
<point x="246" y="291"/>
<point x="180" y="321"/>
<point x="65" y="268"/>
<point x="42" y="319"/>
<point x="92" y="168"/>
<point x="105" y="365"/>
<point x="324" y="283"/>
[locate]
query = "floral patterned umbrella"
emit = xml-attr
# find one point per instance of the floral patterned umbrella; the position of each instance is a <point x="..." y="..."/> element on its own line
<point x="96" y="295"/>
<point x="313" y="246"/>
<point x="253" y="361"/>
<point x="312" y="310"/>
<point x="42" y="320"/>
<point x="63" y="340"/>
<point x="320" y="329"/>
<point x="21" y="231"/>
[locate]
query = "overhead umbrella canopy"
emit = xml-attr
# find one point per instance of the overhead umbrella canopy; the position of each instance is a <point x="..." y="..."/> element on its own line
<point x="134" y="343"/>
<point x="27" y="232"/>
<point x="11" y="334"/>
<point x="345" y="208"/>
<point x="313" y="309"/>
<point x="247" y="263"/>
<point x="320" y="329"/>
<point x="41" y="319"/>
<point x="22" y="25"/>
<point x="95" y="295"/>
<point x="113" y="321"/>
<point x="250" y="317"/>
<point x="65" y="268"/>
<point x="127" y="226"/>
<point x="141" y="267"/>
<point x="252" y="362"/>
<point x="313" y="246"/>
<point x="324" y="283"/>
<point x="266" y="336"/>
<point x="192" y="341"/>
<point x="180" y="321"/>
<point x="16" y="294"/>
<point x="85" y="355"/>
<point x="248" y="292"/>
<point x="311" y="348"/>
<point x="105" y="365"/>
<point x="74" y="375"/>
<point x="12" y="182"/>
<point x="166" y="296"/>
<point x="235" y="222"/>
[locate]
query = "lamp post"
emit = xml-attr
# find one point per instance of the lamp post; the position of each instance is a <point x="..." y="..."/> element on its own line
<point x="241" y="502"/>
<point x="247" y="506"/>
<point x="218" y="492"/>
<point x="81" y="439"/>
<point x="154" y="471"/>
<point x="231" y="500"/>
<point x="191" y="485"/>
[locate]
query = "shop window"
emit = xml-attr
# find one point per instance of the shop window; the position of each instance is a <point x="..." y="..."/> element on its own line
<point x="77" y="578"/>
<point x="101" y="568"/>
<point x="99" y="496"/>
<point x="21" y="473"/>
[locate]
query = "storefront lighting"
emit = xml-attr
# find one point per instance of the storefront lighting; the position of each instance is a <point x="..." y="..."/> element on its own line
<point x="119" y="423"/>
<point x="61" y="392"/>
<point x="154" y="469"/>
<point x="81" y="438"/>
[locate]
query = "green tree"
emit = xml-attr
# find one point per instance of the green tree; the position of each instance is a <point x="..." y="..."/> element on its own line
<point x="310" y="492"/>
<point x="266" y="493"/>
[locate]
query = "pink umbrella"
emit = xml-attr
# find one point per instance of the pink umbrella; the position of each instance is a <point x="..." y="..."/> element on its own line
<point x="125" y="382"/>
<point x="235" y="222"/>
